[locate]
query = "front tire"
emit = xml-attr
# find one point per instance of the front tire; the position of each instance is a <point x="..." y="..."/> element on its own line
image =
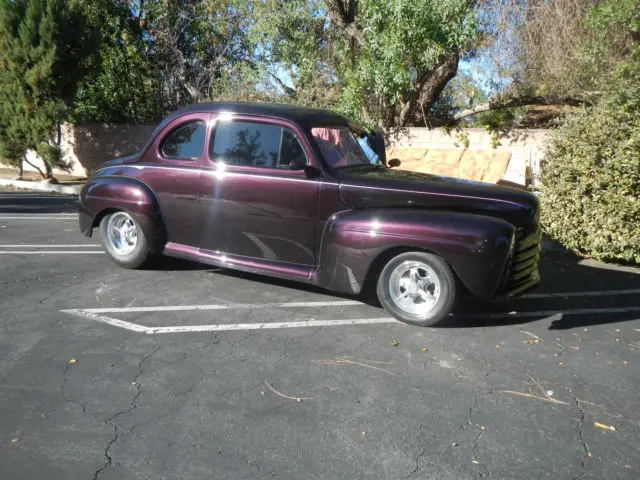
<point x="417" y="288"/>
<point x="124" y="240"/>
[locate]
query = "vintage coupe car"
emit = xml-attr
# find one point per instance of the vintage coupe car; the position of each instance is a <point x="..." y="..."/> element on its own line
<point x="288" y="192"/>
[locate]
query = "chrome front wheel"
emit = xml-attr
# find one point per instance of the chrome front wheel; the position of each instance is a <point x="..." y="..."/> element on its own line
<point x="417" y="288"/>
<point x="414" y="287"/>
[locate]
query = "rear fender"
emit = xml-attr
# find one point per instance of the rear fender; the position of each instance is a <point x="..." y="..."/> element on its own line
<point x="475" y="246"/>
<point x="102" y="195"/>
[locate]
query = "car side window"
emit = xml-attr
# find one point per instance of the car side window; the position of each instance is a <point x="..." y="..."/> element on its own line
<point x="257" y="145"/>
<point x="185" y="142"/>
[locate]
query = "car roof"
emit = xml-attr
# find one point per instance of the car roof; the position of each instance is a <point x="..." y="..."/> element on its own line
<point x="304" y="116"/>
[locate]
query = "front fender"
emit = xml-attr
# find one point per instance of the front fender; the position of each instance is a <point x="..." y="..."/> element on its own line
<point x="103" y="194"/>
<point x="475" y="246"/>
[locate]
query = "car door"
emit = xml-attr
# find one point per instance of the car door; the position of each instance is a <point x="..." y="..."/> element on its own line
<point x="172" y="167"/>
<point x="258" y="199"/>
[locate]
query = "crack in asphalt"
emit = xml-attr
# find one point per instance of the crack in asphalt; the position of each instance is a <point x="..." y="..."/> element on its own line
<point x="476" y="441"/>
<point x="417" y="467"/>
<point x="70" y="400"/>
<point x="581" y="439"/>
<point x="110" y="421"/>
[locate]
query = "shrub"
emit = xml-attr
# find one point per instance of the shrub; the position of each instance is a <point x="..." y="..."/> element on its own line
<point x="590" y="178"/>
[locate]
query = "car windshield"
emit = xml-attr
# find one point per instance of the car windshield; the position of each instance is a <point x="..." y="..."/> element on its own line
<point x="339" y="147"/>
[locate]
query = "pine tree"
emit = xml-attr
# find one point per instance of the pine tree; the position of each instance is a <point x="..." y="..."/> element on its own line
<point x="44" y="45"/>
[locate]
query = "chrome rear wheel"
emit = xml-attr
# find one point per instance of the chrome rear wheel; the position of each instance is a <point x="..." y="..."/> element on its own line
<point x="124" y="239"/>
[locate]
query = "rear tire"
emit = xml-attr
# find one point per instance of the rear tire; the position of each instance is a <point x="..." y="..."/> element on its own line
<point x="124" y="240"/>
<point x="417" y="288"/>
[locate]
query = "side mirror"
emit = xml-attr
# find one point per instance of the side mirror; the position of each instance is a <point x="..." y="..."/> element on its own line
<point x="311" y="172"/>
<point x="293" y="165"/>
<point x="394" y="162"/>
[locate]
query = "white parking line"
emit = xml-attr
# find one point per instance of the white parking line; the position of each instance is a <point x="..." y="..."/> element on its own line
<point x="92" y="314"/>
<point x="49" y="252"/>
<point x="84" y="245"/>
<point x="548" y="313"/>
<point x="108" y="320"/>
<point x="39" y="216"/>
<point x="224" y="327"/>
<point x="186" y="308"/>
<point x="338" y="303"/>
<point x="595" y="293"/>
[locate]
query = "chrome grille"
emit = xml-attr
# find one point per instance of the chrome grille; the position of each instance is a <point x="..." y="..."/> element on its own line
<point x="522" y="273"/>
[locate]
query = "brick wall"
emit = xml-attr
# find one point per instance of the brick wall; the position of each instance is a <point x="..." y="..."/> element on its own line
<point x="86" y="146"/>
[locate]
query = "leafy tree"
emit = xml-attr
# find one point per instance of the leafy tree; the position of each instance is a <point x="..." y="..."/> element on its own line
<point x="382" y="60"/>
<point x="42" y="47"/>
<point x="200" y="45"/>
<point x="590" y="190"/>
<point x="591" y="174"/>
<point x="569" y="67"/>
<point x="124" y="85"/>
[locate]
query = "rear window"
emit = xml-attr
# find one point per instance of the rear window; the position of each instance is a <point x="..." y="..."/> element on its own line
<point x="185" y="142"/>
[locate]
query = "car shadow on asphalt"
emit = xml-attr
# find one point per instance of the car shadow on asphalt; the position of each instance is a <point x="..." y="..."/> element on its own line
<point x="562" y="273"/>
<point x="171" y="264"/>
<point x="36" y="203"/>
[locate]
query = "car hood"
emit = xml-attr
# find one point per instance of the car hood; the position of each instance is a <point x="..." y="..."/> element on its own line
<point x="379" y="188"/>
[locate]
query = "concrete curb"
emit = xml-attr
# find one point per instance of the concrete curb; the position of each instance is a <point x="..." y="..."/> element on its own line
<point x="42" y="186"/>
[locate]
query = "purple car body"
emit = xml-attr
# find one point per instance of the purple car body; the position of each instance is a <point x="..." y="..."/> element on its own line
<point x="315" y="223"/>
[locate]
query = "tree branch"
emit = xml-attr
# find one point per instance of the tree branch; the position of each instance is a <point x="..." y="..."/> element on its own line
<point x="499" y="104"/>
<point x="345" y="18"/>
<point x="429" y="87"/>
<point x="24" y="158"/>
<point x="290" y="92"/>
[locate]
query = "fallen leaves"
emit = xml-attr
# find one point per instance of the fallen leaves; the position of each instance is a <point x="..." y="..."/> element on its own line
<point x="547" y="395"/>
<point x="297" y="399"/>
<point x="533" y="338"/>
<point x="602" y="426"/>
<point x="530" y="395"/>
<point x="362" y="362"/>
<point x="72" y="361"/>
<point x="394" y="343"/>
<point x="425" y="350"/>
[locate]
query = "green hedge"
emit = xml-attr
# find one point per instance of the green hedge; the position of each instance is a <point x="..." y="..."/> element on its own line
<point x="590" y="183"/>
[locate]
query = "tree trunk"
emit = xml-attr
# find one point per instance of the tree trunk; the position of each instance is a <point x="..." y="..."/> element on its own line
<point x="42" y="174"/>
<point x="429" y="88"/>
<point x="21" y="167"/>
<point x="343" y="13"/>
<point x="522" y="101"/>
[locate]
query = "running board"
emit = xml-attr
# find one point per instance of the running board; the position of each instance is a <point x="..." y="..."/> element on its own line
<point x="289" y="271"/>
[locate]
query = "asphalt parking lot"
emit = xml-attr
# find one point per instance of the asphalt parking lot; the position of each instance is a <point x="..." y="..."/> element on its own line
<point x="184" y="371"/>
